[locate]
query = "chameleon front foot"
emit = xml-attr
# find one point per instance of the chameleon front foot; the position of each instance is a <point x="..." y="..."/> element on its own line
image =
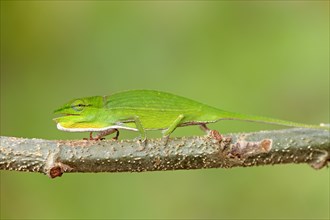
<point x="101" y="135"/>
<point x="117" y="135"/>
<point x="91" y="138"/>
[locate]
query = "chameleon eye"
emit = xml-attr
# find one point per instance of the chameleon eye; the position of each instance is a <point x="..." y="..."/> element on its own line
<point x="78" y="105"/>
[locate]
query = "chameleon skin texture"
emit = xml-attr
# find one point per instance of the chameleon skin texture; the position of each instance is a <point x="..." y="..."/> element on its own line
<point x="141" y="110"/>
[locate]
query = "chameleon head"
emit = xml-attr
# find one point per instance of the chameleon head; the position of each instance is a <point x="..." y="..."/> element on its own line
<point x="79" y="114"/>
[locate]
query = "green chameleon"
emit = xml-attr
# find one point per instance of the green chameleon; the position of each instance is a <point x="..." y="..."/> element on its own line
<point x="141" y="110"/>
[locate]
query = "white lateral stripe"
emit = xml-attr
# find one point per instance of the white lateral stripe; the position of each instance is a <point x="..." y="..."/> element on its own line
<point x="59" y="127"/>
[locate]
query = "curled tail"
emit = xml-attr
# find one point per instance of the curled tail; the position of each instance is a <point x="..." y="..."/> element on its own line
<point x="223" y="115"/>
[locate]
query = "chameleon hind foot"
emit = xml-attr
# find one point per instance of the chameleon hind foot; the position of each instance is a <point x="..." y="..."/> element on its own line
<point x="214" y="134"/>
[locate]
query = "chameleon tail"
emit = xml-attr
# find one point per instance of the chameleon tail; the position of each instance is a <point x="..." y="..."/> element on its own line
<point x="243" y="117"/>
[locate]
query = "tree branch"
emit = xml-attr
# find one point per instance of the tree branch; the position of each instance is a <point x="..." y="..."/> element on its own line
<point x="54" y="157"/>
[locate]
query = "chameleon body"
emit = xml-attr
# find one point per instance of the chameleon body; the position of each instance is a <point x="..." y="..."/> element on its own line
<point x="141" y="110"/>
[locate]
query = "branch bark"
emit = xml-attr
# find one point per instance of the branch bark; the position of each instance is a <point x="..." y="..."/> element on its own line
<point x="54" y="157"/>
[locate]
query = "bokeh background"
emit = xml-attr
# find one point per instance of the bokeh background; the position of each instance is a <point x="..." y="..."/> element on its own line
<point x="265" y="58"/>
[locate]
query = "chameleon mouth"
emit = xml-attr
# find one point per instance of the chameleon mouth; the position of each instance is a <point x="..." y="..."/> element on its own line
<point x="65" y="114"/>
<point x="62" y="116"/>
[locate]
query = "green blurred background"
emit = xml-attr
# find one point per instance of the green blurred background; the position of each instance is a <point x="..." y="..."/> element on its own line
<point x="263" y="58"/>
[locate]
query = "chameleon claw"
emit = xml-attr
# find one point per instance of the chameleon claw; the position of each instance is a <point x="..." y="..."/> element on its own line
<point x="142" y="143"/>
<point x="144" y="140"/>
<point x="165" y="139"/>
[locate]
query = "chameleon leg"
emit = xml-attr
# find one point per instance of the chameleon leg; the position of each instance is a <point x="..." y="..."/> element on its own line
<point x="140" y="128"/>
<point x="107" y="132"/>
<point x="212" y="133"/>
<point x="138" y="125"/>
<point x="173" y="126"/>
<point x="100" y="135"/>
<point x="90" y="137"/>
<point x="205" y="128"/>
<point x="117" y="135"/>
